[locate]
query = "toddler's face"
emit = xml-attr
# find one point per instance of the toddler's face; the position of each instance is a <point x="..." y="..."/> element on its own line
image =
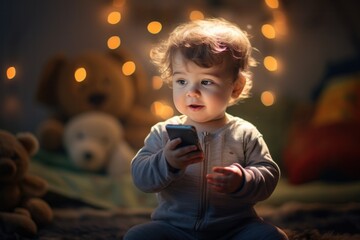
<point x="202" y="94"/>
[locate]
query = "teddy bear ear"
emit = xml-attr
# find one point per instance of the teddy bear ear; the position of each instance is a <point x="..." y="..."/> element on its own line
<point x="47" y="86"/>
<point x="139" y="77"/>
<point x="29" y="141"/>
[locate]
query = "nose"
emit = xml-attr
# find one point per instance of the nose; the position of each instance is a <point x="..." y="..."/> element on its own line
<point x="97" y="99"/>
<point x="88" y="156"/>
<point x="193" y="91"/>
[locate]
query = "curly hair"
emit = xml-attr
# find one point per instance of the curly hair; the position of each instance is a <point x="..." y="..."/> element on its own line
<point x="207" y="43"/>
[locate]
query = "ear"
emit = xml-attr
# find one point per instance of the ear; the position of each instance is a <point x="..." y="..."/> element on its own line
<point x="239" y="85"/>
<point x="139" y="77"/>
<point x="29" y="141"/>
<point x="46" y="90"/>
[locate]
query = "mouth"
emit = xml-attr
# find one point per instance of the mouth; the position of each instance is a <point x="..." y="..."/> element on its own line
<point x="196" y="107"/>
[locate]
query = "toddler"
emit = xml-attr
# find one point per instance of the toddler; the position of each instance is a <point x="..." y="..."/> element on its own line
<point x="206" y="193"/>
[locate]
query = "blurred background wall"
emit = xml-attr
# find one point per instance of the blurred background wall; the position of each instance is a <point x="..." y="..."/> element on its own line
<point x="300" y="39"/>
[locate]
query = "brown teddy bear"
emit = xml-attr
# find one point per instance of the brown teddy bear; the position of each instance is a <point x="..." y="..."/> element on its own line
<point x="104" y="88"/>
<point x="21" y="209"/>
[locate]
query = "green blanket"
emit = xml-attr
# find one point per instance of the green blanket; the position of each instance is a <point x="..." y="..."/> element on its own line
<point x="100" y="190"/>
<point x="97" y="189"/>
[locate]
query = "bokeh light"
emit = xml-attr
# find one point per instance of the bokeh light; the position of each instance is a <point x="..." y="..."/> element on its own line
<point x="267" y="98"/>
<point x="270" y="63"/>
<point x="128" y="68"/>
<point x="11" y="72"/>
<point x="272" y="3"/>
<point x="268" y="31"/>
<point x="157" y="82"/>
<point x="154" y="27"/>
<point x="114" y="17"/>
<point x="114" y="42"/>
<point x="162" y="110"/>
<point x="196" y="15"/>
<point x="80" y="74"/>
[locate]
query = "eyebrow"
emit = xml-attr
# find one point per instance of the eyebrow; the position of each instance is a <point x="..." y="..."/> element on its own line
<point x="177" y="73"/>
<point x="217" y="75"/>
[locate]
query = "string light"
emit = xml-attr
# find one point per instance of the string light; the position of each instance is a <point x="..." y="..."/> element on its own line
<point x="11" y="72"/>
<point x="268" y="31"/>
<point x="80" y="74"/>
<point x="267" y="98"/>
<point x="128" y="68"/>
<point x="196" y="15"/>
<point x="157" y="82"/>
<point x="114" y="17"/>
<point x="277" y="29"/>
<point x="272" y="3"/>
<point x="154" y="27"/>
<point x="114" y="42"/>
<point x="270" y="63"/>
<point x="162" y="110"/>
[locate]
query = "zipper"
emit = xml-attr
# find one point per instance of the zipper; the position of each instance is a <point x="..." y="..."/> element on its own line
<point x="203" y="186"/>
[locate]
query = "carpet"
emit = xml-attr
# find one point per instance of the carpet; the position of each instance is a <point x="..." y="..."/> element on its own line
<point x="300" y="221"/>
<point x="303" y="221"/>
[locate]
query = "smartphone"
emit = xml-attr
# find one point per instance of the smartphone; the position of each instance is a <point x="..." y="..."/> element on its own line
<point x="187" y="133"/>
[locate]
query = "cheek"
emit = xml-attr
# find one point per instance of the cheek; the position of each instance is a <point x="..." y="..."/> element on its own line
<point x="178" y="100"/>
<point x="219" y="98"/>
<point x="178" y="94"/>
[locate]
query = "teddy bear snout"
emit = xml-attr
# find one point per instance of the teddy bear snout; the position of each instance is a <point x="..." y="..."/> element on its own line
<point x="88" y="156"/>
<point x="7" y="169"/>
<point x="97" y="99"/>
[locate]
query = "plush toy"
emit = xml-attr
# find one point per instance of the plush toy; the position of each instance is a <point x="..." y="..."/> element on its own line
<point x="326" y="145"/>
<point x="95" y="142"/>
<point x="21" y="208"/>
<point x="101" y="87"/>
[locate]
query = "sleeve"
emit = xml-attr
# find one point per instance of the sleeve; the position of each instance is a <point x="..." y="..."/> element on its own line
<point x="261" y="173"/>
<point x="149" y="168"/>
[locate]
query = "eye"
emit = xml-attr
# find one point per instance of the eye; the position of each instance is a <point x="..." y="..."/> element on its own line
<point x="181" y="82"/>
<point x="207" y="82"/>
<point x="14" y="156"/>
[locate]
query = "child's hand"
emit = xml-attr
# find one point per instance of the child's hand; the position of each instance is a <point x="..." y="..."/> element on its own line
<point x="225" y="179"/>
<point x="180" y="158"/>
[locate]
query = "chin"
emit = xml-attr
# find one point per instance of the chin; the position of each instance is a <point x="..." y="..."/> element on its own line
<point x="199" y="119"/>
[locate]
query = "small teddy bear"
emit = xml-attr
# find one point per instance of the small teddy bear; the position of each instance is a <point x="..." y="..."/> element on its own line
<point x="95" y="142"/>
<point x="21" y="208"/>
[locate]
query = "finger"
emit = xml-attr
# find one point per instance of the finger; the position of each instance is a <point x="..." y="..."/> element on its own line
<point x="196" y="154"/>
<point x="222" y="170"/>
<point x="189" y="149"/>
<point x="194" y="158"/>
<point x="216" y="179"/>
<point x="215" y="176"/>
<point x="172" y="144"/>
